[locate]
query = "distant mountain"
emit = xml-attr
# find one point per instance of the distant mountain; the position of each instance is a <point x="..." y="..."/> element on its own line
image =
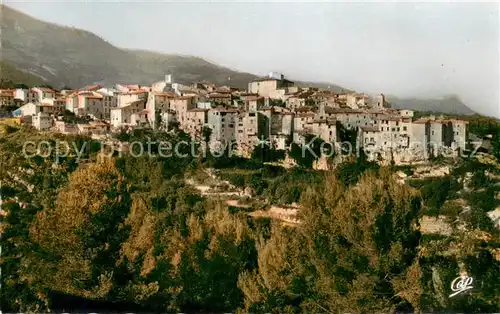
<point x="449" y="104"/>
<point x="61" y="55"/>
<point x="10" y="75"/>
<point x="68" y="56"/>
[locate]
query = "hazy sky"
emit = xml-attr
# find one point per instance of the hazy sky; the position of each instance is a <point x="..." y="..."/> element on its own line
<point x="406" y="49"/>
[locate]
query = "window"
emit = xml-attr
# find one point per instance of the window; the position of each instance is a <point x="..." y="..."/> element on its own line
<point x="398" y="129"/>
<point x="404" y="128"/>
<point x="432" y="133"/>
<point x="393" y="129"/>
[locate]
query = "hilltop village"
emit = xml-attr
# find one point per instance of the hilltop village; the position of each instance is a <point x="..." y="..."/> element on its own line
<point x="272" y="108"/>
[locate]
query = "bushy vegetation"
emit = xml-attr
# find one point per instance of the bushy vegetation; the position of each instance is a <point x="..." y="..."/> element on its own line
<point x="124" y="233"/>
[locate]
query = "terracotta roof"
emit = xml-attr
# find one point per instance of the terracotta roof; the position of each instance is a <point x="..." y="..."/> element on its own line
<point x="222" y="109"/>
<point x="134" y="92"/>
<point x="6" y="93"/>
<point x="45" y="89"/>
<point x="219" y="96"/>
<point x="132" y="86"/>
<point x="91" y="88"/>
<point x="92" y="95"/>
<point x="344" y="110"/>
<point x="252" y="98"/>
<point x="376" y="112"/>
<point x="136" y="102"/>
<point x="198" y="110"/>
<point x="304" y="109"/>
<point x="303" y="115"/>
<point x="183" y="97"/>
<point x="189" y="92"/>
<point x="165" y="94"/>
<point x="437" y="121"/>
<point x="248" y="94"/>
<point x="369" y="129"/>
<point x="420" y="121"/>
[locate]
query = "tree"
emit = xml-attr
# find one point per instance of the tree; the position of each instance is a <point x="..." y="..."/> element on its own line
<point x="23" y="86"/>
<point x="46" y="86"/>
<point x="206" y="132"/>
<point x="496" y="145"/>
<point x="7" y="84"/>
<point x="81" y="236"/>
<point x="266" y="153"/>
<point x="305" y="155"/>
<point x="345" y="135"/>
<point x="350" y="172"/>
<point x="355" y="252"/>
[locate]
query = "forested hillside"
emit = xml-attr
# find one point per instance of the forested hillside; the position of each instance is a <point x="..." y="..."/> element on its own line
<point x="11" y="77"/>
<point x="129" y="234"/>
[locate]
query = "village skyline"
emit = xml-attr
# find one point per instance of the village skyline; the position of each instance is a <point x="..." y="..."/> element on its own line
<point x="408" y="50"/>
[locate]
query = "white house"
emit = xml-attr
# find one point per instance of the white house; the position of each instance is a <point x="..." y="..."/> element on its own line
<point x="30" y="109"/>
<point x="41" y="121"/>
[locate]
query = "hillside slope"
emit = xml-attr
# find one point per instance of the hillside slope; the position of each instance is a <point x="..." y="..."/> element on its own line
<point x="10" y="75"/>
<point x="449" y="104"/>
<point x="62" y="55"/>
<point x="65" y="55"/>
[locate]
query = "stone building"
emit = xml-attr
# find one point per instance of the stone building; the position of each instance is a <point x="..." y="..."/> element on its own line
<point x="158" y="106"/>
<point x="251" y="128"/>
<point x="179" y="106"/>
<point x="7" y="97"/>
<point x="41" y="121"/>
<point x="197" y="119"/>
<point x="267" y="85"/>
<point x="222" y="121"/>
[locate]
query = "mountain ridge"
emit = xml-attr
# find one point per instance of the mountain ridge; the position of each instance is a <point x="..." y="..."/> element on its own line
<point x="65" y="55"/>
<point x="451" y="104"/>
